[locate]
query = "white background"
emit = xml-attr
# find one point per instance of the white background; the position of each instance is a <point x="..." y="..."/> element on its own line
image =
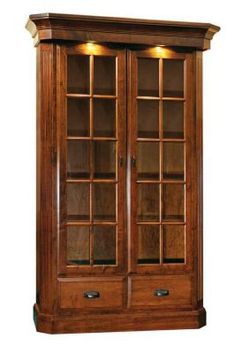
<point x="17" y="174"/>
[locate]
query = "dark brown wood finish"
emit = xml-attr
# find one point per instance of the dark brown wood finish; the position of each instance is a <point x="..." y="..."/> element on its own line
<point x="109" y="292"/>
<point x="46" y="179"/>
<point x="51" y="26"/>
<point x="198" y="175"/>
<point x="120" y="321"/>
<point x="76" y="297"/>
<point x="119" y="181"/>
<point x="143" y="291"/>
<point x="190" y="140"/>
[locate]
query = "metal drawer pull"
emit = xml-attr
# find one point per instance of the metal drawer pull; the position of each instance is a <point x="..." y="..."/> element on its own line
<point x="161" y="292"/>
<point x="91" y="294"/>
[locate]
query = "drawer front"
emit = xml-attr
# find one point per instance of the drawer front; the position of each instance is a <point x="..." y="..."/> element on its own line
<point x="85" y="293"/>
<point x="160" y="291"/>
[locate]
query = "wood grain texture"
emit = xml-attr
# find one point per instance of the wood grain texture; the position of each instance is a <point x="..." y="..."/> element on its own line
<point x="103" y="199"/>
<point x="199" y="175"/>
<point x="142" y="291"/>
<point x="126" y="321"/>
<point x="50" y="26"/>
<point x="46" y="178"/>
<point x="110" y="293"/>
<point x="178" y="208"/>
<point x="171" y="232"/>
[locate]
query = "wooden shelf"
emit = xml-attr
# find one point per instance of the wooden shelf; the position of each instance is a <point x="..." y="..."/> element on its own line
<point x="82" y="262"/>
<point x="148" y="261"/>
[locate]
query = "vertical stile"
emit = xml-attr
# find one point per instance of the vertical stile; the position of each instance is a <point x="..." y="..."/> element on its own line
<point x="63" y="241"/>
<point x="117" y="155"/>
<point x="185" y="88"/>
<point x="91" y="160"/>
<point x="133" y="138"/>
<point x="130" y="254"/>
<point x="131" y="171"/>
<point x="117" y="146"/>
<point x="161" y="154"/>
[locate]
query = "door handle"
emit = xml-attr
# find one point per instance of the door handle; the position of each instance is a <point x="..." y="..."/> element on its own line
<point x="133" y="161"/>
<point x="121" y="161"/>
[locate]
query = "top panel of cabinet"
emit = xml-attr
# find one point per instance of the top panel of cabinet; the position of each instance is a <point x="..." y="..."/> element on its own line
<point x="63" y="27"/>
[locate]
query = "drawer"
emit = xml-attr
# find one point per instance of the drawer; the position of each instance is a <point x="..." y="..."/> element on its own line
<point x="85" y="293"/>
<point x="160" y="291"/>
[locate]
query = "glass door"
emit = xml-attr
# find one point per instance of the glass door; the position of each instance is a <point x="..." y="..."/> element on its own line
<point x="159" y="124"/>
<point x="92" y="170"/>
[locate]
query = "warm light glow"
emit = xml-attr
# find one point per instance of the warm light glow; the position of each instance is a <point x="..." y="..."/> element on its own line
<point x="90" y="45"/>
<point x="159" y="49"/>
<point x="162" y="50"/>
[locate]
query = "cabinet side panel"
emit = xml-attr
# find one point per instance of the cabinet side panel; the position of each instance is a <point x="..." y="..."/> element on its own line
<point x="199" y="173"/>
<point x="46" y="178"/>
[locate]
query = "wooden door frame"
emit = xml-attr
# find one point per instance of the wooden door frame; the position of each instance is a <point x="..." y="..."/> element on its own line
<point x="190" y="137"/>
<point x="62" y="52"/>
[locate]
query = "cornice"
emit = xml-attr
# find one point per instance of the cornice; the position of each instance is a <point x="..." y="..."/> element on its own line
<point x="55" y="27"/>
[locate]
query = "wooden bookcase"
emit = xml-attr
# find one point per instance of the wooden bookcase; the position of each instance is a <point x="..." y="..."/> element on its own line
<point x="119" y="173"/>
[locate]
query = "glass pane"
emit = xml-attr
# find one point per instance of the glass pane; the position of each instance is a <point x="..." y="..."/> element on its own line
<point x="104" y="159"/>
<point x="148" y="202"/>
<point x="78" y="117"/>
<point x="173" y="244"/>
<point x="78" y="74"/>
<point x="78" y="201"/>
<point x="148" y="244"/>
<point x="173" y="78"/>
<point x="105" y="73"/>
<point x="173" y="161"/>
<point x="148" y="119"/>
<point x="78" y="245"/>
<point x="148" y="77"/>
<point x="104" y="245"/>
<point x="173" y="202"/>
<point x="104" y="201"/>
<point x="104" y="117"/>
<point x="148" y="160"/>
<point x="173" y="120"/>
<point x="78" y="159"/>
